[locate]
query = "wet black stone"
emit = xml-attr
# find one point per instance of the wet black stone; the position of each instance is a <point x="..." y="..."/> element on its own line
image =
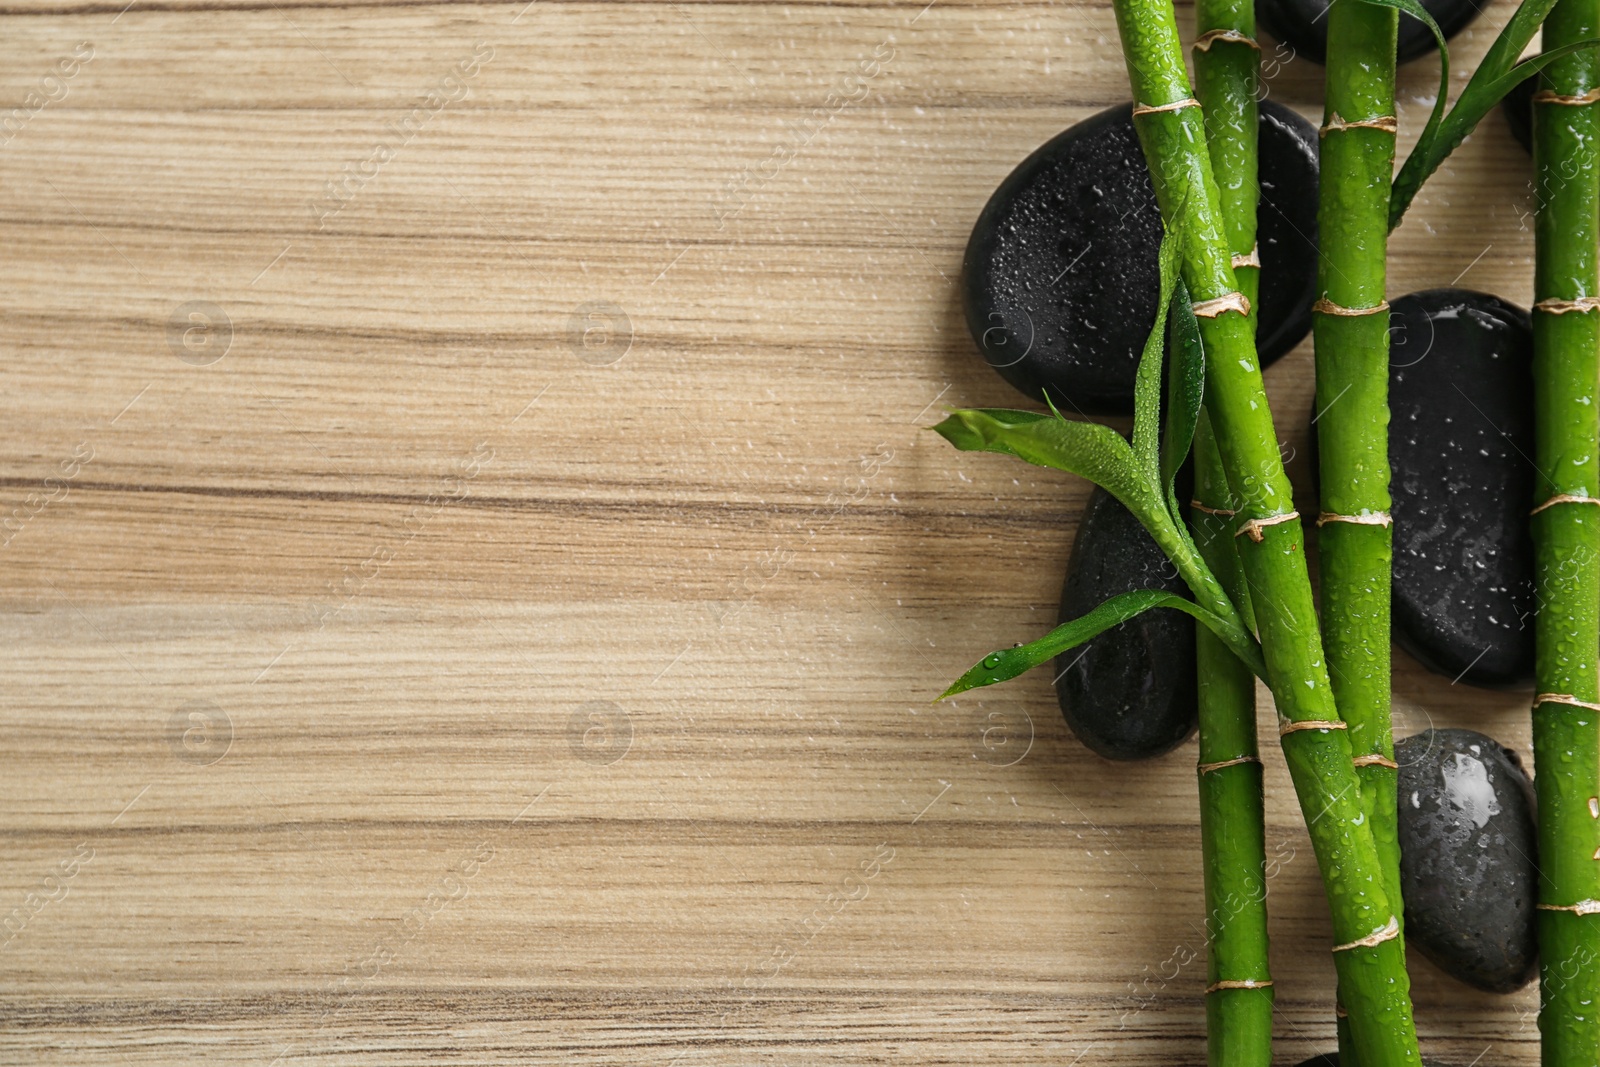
<point x="1059" y="281"/>
<point x="1460" y="438"/>
<point x="1302" y="26"/>
<point x="1129" y="693"/>
<point x="1468" y="858"/>
<point x="1517" y="107"/>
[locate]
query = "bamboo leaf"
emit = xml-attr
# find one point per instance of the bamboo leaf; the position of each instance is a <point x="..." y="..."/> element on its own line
<point x="1186" y="377"/>
<point x="1513" y="38"/>
<point x="1007" y="663"/>
<point x="1086" y="449"/>
<point x="1101" y="455"/>
<point x="1492" y="81"/>
<point x="1147" y="382"/>
<point x="1515" y="35"/>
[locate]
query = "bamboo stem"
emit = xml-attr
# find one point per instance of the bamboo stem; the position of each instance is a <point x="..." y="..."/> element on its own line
<point x="1370" y="964"/>
<point x="1227" y="63"/>
<point x="1351" y="330"/>
<point x="1239" y="996"/>
<point x="1566" y="365"/>
<point x="1239" y="993"/>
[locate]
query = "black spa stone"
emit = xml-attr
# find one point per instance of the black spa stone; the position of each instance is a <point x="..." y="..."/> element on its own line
<point x="1130" y="692"/>
<point x="1460" y="438"/>
<point x="1302" y="26"/>
<point x="1468" y="858"/>
<point x="1059" y="281"/>
<point x="1518" y="110"/>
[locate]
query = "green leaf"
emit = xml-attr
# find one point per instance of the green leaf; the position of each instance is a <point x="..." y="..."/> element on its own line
<point x="1087" y="449"/>
<point x="1186" y="379"/>
<point x="1147" y="382"/>
<point x="1515" y="35"/>
<point x="1101" y="455"/>
<point x="1007" y="663"/>
<point x="1513" y="38"/>
<point x="1497" y="74"/>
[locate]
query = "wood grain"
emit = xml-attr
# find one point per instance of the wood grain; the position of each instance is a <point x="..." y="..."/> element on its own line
<point x="413" y="682"/>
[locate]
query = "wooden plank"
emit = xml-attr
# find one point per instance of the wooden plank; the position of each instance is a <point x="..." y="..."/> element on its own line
<point x="450" y="669"/>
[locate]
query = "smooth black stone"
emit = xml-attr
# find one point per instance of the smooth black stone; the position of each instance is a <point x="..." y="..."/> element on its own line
<point x="1059" y="281"/>
<point x="1302" y="25"/>
<point x="1460" y="438"/>
<point x="1130" y="692"/>
<point x="1517" y="107"/>
<point x="1468" y="858"/>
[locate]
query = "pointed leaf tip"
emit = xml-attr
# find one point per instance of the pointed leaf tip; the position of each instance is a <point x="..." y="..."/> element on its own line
<point x="1007" y="663"/>
<point x="1088" y="449"/>
<point x="959" y="433"/>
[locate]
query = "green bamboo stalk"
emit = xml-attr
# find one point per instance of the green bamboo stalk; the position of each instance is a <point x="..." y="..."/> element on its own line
<point x="1566" y="366"/>
<point x="1227" y="72"/>
<point x="1370" y="964"/>
<point x="1239" y="997"/>
<point x="1232" y="818"/>
<point x="1351" y="330"/>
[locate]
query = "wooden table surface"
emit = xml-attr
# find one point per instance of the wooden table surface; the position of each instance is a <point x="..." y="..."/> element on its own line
<point x="475" y="573"/>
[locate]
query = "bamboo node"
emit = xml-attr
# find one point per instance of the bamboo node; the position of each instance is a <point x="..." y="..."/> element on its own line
<point x="1204" y="42"/>
<point x="1234" y="301"/>
<point x="1563" y="698"/>
<point x="1328" y="307"/>
<point x="1238" y="983"/>
<point x="1207" y="768"/>
<point x="1372" y="759"/>
<point x="1176" y="105"/>
<point x="1224" y="512"/>
<point x="1251" y="258"/>
<point x="1253" y="527"/>
<point x="1582" y="907"/>
<point x="1545" y="96"/>
<point x="1555" y="306"/>
<point x="1375" y="518"/>
<point x="1289" y="726"/>
<point x="1385" y="123"/>
<point x="1388" y="933"/>
<point x="1565" y="498"/>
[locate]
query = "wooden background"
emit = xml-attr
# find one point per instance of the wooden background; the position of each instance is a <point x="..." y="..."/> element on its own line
<point x="409" y="659"/>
